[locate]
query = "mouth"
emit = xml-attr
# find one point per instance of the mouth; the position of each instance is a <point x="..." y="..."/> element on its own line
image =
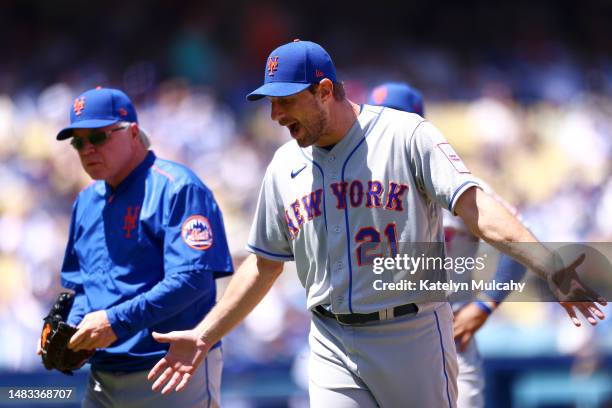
<point x="294" y="128"/>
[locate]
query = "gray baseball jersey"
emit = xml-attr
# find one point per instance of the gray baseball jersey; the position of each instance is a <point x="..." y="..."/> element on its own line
<point x="384" y="182"/>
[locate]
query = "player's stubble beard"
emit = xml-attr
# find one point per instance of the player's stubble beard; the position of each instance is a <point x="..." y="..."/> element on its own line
<point x="313" y="128"/>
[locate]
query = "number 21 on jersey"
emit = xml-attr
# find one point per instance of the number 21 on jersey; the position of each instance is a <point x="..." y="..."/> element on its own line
<point x="368" y="241"/>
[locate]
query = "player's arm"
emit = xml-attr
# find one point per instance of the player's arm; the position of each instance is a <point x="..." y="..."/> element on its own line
<point x="188" y="274"/>
<point x="508" y="270"/>
<point x="488" y="219"/>
<point x="253" y="280"/>
<point x="188" y="348"/>
<point x="79" y="307"/>
<point x="470" y="318"/>
<point x="72" y="278"/>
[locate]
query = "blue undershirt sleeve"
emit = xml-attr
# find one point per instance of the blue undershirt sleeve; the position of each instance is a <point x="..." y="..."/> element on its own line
<point x="508" y="270"/>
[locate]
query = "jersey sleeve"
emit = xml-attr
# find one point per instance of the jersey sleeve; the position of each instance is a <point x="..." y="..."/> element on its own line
<point x="70" y="276"/>
<point x="269" y="236"/>
<point x="195" y="234"/>
<point x="79" y="308"/>
<point x="195" y="251"/>
<point x="440" y="172"/>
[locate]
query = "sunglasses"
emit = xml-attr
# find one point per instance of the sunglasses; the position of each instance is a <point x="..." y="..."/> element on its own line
<point x="96" y="138"/>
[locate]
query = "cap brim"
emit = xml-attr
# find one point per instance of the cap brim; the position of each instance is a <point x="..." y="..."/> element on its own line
<point x="276" y="89"/>
<point x="66" y="132"/>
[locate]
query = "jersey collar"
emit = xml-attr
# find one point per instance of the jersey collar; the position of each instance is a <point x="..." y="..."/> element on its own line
<point x="136" y="174"/>
<point x="352" y="137"/>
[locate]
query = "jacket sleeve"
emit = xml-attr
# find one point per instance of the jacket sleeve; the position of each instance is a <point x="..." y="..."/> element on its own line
<point x="195" y="252"/>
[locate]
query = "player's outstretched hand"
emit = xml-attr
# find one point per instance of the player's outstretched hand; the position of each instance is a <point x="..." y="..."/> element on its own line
<point x="572" y="293"/>
<point x="186" y="353"/>
<point x="467" y="321"/>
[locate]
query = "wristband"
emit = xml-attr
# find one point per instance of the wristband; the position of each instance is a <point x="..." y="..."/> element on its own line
<point x="484" y="306"/>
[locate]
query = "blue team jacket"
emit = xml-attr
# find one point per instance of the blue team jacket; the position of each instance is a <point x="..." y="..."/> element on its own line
<point x="147" y="253"/>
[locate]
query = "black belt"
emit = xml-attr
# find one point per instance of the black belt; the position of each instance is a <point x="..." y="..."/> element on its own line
<point x="358" y="318"/>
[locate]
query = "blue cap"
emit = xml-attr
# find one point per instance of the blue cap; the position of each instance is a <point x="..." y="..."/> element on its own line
<point x="293" y="67"/>
<point x="397" y="95"/>
<point x="97" y="108"/>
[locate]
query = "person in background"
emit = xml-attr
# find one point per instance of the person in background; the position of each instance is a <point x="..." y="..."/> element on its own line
<point x="471" y="310"/>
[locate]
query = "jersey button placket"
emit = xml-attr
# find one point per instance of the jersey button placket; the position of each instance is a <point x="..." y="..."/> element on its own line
<point x="336" y="240"/>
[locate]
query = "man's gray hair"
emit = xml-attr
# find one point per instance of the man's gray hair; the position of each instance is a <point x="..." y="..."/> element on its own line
<point x="144" y="138"/>
<point x="142" y="134"/>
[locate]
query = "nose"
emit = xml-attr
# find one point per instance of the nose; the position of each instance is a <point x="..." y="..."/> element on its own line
<point x="276" y="111"/>
<point x="87" y="148"/>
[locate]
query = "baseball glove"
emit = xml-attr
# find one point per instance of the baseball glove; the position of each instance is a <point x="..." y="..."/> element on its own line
<point x="56" y="334"/>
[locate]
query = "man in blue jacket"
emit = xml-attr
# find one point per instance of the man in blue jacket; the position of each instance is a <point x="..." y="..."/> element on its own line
<point x="146" y="243"/>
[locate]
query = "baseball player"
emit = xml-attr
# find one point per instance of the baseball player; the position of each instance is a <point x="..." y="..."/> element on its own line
<point x="356" y="180"/>
<point x="146" y="243"/>
<point x="470" y="312"/>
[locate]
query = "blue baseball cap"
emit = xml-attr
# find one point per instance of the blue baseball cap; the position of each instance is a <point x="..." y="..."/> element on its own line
<point x="97" y="108"/>
<point x="397" y="95"/>
<point x="293" y="67"/>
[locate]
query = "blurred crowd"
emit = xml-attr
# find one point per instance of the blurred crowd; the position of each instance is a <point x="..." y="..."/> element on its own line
<point x="535" y="123"/>
<point x="551" y="160"/>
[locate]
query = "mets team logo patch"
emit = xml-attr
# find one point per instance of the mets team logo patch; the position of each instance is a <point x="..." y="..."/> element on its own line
<point x="197" y="233"/>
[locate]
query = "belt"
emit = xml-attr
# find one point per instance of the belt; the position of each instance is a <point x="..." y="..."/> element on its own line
<point x="359" y="318"/>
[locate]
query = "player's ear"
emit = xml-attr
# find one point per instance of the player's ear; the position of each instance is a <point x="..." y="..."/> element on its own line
<point x="134" y="130"/>
<point x="326" y="89"/>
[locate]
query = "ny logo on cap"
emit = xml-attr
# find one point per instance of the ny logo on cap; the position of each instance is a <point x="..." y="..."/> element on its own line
<point x="379" y="95"/>
<point x="79" y="105"/>
<point x="272" y="65"/>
